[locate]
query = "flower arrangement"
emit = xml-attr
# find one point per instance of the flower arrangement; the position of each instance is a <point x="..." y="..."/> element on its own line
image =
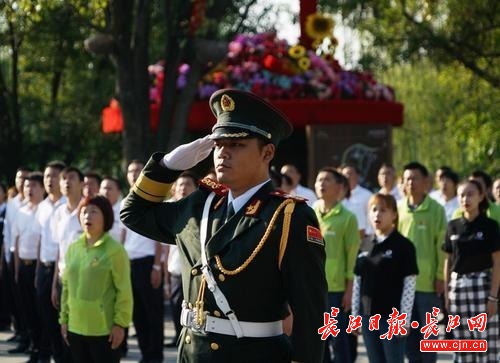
<point x="270" y="67"/>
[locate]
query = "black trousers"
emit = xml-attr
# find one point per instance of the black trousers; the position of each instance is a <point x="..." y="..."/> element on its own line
<point x="5" y="303"/>
<point x="148" y="309"/>
<point x="27" y="292"/>
<point x="51" y="330"/>
<point x="15" y="301"/>
<point x="86" y="349"/>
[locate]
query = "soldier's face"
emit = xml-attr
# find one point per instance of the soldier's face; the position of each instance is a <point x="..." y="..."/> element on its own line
<point x="242" y="163"/>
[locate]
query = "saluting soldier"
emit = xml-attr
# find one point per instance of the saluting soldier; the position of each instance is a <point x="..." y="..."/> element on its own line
<point x="248" y="251"/>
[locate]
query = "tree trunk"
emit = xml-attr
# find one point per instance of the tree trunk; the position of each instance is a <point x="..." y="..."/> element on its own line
<point x="131" y="59"/>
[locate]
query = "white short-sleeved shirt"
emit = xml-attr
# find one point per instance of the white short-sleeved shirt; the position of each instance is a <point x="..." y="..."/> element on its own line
<point x="118" y="227"/>
<point x="48" y="247"/>
<point x="174" y="261"/>
<point x="28" y="230"/>
<point x="358" y="204"/>
<point x="138" y="246"/>
<point x="301" y="191"/>
<point x="449" y="206"/>
<point x="67" y="229"/>
<point x="13" y="206"/>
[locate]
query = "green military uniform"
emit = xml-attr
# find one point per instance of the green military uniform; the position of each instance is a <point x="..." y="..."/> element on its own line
<point x="266" y="257"/>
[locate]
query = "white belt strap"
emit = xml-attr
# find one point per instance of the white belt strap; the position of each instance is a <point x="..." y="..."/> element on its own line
<point x="220" y="299"/>
<point x="223" y="326"/>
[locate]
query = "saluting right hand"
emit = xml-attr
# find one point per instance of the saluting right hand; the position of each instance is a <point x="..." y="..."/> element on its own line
<point x="188" y="155"/>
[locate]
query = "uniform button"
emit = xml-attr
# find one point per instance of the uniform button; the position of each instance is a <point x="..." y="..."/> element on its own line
<point x="187" y="340"/>
<point x="222" y="277"/>
<point x="217" y="313"/>
<point x="214" y="346"/>
<point x="194" y="272"/>
<point x="190" y="305"/>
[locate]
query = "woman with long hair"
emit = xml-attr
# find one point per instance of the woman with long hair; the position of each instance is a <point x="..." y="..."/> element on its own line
<point x="472" y="271"/>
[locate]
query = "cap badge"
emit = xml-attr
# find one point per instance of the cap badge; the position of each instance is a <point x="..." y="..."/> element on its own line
<point x="226" y="103"/>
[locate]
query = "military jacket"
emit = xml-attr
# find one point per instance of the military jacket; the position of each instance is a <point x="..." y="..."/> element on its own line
<point x="258" y="292"/>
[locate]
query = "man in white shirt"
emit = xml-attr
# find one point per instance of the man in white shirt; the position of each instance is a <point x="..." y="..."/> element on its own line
<point x="91" y="184"/>
<point x="110" y="188"/>
<point x="358" y="201"/>
<point x="146" y="275"/>
<point x="13" y="205"/>
<point x="47" y="256"/>
<point x="446" y="195"/>
<point x="27" y="233"/>
<point x="293" y="173"/>
<point x="66" y="225"/>
<point x="387" y="181"/>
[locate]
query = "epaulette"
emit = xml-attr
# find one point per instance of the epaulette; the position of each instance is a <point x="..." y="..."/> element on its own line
<point x="281" y="194"/>
<point x="212" y="185"/>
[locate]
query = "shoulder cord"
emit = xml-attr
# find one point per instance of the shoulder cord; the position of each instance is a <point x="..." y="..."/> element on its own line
<point x="289" y="204"/>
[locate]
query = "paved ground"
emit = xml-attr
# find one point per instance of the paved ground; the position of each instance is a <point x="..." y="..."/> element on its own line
<point x="170" y="353"/>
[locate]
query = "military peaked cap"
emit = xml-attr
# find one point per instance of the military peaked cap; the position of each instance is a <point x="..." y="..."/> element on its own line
<point x="242" y="114"/>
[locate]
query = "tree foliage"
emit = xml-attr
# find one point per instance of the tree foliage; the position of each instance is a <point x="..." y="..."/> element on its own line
<point x="451" y="118"/>
<point x="395" y="31"/>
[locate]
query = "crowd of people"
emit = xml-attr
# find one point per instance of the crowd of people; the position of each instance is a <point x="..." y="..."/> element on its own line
<point x="53" y="219"/>
<point x="73" y="277"/>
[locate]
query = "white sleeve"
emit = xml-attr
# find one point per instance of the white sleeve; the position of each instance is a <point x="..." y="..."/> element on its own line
<point x="408" y="295"/>
<point x="356" y="295"/>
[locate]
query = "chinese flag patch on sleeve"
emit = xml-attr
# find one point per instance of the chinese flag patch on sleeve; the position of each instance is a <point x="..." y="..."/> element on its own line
<point x="314" y="235"/>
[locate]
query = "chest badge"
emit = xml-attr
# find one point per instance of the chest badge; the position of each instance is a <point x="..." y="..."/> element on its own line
<point x="480" y="235"/>
<point x="94" y="262"/>
<point x="387" y="254"/>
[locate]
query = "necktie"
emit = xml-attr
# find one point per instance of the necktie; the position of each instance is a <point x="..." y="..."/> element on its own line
<point x="229" y="211"/>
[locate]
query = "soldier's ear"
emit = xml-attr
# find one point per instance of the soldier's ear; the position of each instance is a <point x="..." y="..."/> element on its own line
<point x="268" y="152"/>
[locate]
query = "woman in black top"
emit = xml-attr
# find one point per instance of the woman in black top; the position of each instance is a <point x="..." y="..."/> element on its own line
<point x="385" y="278"/>
<point x="472" y="271"/>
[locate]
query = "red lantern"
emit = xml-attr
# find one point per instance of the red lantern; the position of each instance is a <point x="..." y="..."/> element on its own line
<point x="112" y="120"/>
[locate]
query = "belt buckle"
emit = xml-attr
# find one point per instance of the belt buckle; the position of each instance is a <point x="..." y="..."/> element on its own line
<point x="195" y="322"/>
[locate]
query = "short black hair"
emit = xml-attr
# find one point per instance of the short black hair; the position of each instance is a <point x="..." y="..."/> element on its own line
<point x="339" y="178"/>
<point x="56" y="164"/>
<point x="488" y="181"/>
<point x="24" y="168"/>
<point x="35" y="176"/>
<point x="415" y="165"/>
<point x="189" y="174"/>
<point x="136" y="161"/>
<point x="4" y="188"/>
<point x="351" y="165"/>
<point x="93" y="175"/>
<point x="70" y="169"/>
<point x="450" y="174"/>
<point x="113" y="179"/>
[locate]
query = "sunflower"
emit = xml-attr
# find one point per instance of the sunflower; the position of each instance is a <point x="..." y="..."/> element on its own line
<point x="304" y="63"/>
<point x="297" y="51"/>
<point x="319" y="26"/>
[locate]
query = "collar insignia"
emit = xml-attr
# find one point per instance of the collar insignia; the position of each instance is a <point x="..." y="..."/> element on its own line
<point x="253" y="208"/>
<point x="226" y="103"/>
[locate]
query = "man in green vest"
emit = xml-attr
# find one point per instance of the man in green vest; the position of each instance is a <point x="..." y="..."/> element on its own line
<point x="423" y="221"/>
<point x="248" y="251"/>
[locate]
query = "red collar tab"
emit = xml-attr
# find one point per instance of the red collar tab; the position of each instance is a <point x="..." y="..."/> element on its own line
<point x="212" y="185"/>
<point x="281" y="194"/>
